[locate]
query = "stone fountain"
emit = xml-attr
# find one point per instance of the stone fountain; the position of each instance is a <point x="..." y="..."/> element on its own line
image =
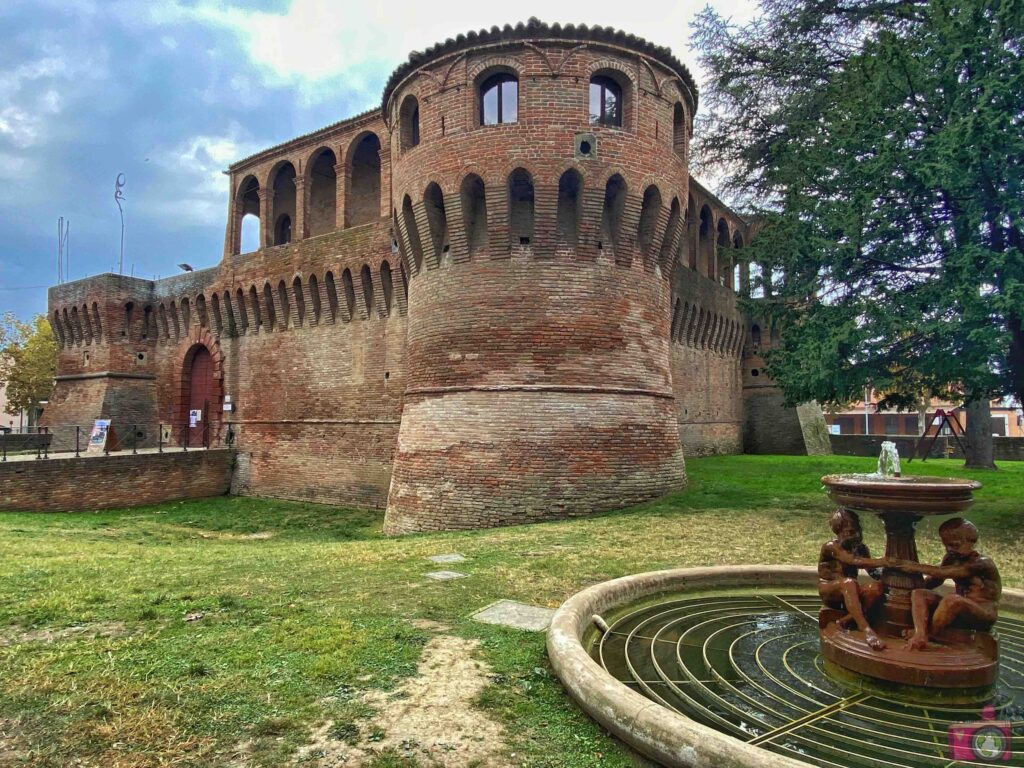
<point x="949" y="644"/>
<point x="743" y="665"/>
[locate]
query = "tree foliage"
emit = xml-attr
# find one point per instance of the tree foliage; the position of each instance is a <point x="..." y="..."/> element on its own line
<point x="882" y="144"/>
<point x="28" y="361"/>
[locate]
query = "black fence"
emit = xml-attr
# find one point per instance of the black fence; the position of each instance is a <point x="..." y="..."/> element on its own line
<point x="76" y="439"/>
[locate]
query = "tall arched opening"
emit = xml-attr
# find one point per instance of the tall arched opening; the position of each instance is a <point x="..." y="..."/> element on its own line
<point x="199" y="415"/>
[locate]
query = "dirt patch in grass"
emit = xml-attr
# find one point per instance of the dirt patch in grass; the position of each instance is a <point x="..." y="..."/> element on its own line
<point x="430" y="718"/>
<point x="12" y="750"/>
<point x="18" y="636"/>
<point x="428" y="625"/>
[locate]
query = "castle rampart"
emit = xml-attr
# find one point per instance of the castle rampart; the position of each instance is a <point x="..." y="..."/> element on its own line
<point x="482" y="304"/>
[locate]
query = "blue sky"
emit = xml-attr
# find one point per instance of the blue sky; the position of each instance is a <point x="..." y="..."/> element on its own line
<point x="171" y="93"/>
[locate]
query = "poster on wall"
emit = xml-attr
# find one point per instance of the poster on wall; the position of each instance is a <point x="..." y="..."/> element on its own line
<point x="102" y="437"/>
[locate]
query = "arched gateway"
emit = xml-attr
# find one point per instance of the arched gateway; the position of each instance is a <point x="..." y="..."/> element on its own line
<point x="198" y="417"/>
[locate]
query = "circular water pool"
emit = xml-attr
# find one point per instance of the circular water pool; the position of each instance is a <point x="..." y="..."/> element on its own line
<point x="727" y="662"/>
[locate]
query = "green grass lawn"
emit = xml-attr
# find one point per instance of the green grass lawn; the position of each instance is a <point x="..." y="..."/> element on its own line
<point x="306" y="606"/>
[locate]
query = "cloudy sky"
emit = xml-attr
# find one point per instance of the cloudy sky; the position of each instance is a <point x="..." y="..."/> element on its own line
<point x="170" y="93"/>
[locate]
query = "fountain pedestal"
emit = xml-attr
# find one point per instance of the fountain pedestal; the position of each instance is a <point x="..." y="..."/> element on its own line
<point x="956" y="659"/>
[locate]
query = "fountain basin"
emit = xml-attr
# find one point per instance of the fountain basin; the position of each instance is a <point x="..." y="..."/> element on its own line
<point x="675" y="738"/>
<point x="918" y="494"/>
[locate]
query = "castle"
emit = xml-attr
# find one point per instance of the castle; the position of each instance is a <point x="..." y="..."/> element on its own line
<point x="498" y="298"/>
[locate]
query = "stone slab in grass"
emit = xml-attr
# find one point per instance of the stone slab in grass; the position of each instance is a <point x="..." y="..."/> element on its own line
<point x="445" y="575"/>
<point x="509" y="613"/>
<point x="450" y="557"/>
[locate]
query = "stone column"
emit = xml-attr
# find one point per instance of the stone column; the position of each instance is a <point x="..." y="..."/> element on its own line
<point x="385" y="180"/>
<point x="340" y="201"/>
<point x="266" y="217"/>
<point x="745" y="278"/>
<point x="299" y="227"/>
<point x="233" y="236"/>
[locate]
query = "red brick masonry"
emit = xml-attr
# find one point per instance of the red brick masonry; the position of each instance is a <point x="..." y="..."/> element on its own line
<point x="117" y="480"/>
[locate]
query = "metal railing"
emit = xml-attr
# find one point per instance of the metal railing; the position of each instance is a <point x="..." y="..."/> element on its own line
<point x="74" y="439"/>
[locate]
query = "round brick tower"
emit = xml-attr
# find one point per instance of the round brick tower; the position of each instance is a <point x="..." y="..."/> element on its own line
<point x="536" y="184"/>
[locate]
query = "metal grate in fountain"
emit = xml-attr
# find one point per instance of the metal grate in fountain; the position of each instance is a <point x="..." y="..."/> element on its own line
<point x="749" y="666"/>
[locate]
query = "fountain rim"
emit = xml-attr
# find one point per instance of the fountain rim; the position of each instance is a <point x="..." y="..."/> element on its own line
<point x="661" y="734"/>
<point x="920" y="483"/>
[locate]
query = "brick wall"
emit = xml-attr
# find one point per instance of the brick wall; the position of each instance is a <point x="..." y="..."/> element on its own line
<point x="117" y="480"/>
<point x="1005" y="448"/>
<point x="707" y="338"/>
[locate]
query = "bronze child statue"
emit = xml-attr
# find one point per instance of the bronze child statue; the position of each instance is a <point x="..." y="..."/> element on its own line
<point x="974" y="605"/>
<point x="838" y="564"/>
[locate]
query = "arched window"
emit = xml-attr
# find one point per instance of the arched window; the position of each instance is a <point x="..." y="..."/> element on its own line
<point x="350" y="292"/>
<point x="300" y="300"/>
<point x="605" y="101"/>
<point x="254" y="301"/>
<point x="215" y="310"/>
<point x="474" y="212"/>
<point x="88" y="325"/>
<point x="611" y="215"/>
<point x="332" y="295"/>
<point x="499" y="99"/>
<point x="366" y="278"/>
<point x="283" y="230"/>
<point x="284" y="204"/>
<point x="520" y="206"/>
<point x="127" y="330"/>
<point x="570" y="186"/>
<point x="243" y="314"/>
<point x="409" y="120"/>
<point x="723" y="255"/>
<point x="437" y="220"/>
<point x="679" y="130"/>
<point x="96" y="322"/>
<point x="248" y="206"/>
<point x="204" y="320"/>
<point x="364" y="191"/>
<point x="161" y="313"/>
<point x="649" y="211"/>
<point x="323" y="194"/>
<point x="706" y="243"/>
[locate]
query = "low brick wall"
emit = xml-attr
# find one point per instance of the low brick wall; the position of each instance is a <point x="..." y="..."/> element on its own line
<point x="1006" y="448"/>
<point x="118" y="480"/>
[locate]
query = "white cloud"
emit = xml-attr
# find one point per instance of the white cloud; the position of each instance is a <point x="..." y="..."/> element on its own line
<point x="314" y="41"/>
<point x="195" y="168"/>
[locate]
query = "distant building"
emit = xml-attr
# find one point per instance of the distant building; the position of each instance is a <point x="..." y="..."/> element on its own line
<point x="18" y="422"/>
<point x="865" y="418"/>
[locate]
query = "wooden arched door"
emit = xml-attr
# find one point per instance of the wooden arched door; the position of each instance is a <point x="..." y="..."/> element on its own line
<point x="200" y="397"/>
